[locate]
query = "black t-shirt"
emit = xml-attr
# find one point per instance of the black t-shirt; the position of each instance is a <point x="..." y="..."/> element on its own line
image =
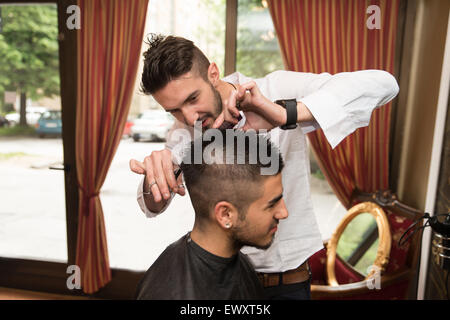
<point x="185" y="271"/>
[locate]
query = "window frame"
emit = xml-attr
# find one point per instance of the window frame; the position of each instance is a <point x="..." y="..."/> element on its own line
<point x="46" y="276"/>
<point x="51" y="277"/>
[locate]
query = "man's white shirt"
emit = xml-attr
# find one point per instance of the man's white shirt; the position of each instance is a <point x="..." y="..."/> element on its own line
<point x="340" y="104"/>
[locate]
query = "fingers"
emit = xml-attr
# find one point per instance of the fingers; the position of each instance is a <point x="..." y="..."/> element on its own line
<point x="137" y="167"/>
<point x="160" y="166"/>
<point x="181" y="188"/>
<point x="229" y="115"/>
<point x="168" y="170"/>
<point x="231" y="109"/>
<point x="230" y="118"/>
<point x="246" y="127"/>
<point x="219" y="121"/>
<point x="158" y="169"/>
<point x="248" y="86"/>
<point x="150" y="176"/>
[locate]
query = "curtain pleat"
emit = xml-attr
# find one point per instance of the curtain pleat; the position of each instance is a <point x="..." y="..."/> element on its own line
<point x="332" y="36"/>
<point x="109" y="44"/>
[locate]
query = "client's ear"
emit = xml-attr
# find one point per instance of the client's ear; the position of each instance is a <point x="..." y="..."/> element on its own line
<point x="225" y="214"/>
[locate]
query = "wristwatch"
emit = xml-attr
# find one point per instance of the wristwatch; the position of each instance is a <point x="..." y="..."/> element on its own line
<point x="291" y="109"/>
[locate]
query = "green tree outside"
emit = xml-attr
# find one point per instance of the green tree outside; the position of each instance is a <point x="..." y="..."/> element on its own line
<point x="29" y="53"/>
<point x="257" y="51"/>
<point x="213" y="31"/>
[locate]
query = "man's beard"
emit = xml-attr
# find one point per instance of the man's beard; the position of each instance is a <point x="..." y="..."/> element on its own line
<point x="239" y="243"/>
<point x="218" y="106"/>
<point x="240" y="240"/>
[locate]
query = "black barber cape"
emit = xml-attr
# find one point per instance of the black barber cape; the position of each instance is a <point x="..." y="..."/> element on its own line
<point x="185" y="271"/>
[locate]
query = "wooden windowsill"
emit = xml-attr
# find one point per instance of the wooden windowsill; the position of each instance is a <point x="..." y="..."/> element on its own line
<point x="15" y="294"/>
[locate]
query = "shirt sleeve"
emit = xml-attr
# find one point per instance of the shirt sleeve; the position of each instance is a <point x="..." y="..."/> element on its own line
<point x="345" y="101"/>
<point x="340" y="103"/>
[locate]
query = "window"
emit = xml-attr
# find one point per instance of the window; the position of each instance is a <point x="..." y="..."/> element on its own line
<point x="51" y="115"/>
<point x="328" y="209"/>
<point x="257" y="52"/>
<point x="32" y="207"/>
<point x="135" y="241"/>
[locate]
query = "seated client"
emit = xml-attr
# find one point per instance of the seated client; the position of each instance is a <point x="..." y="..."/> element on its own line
<point x="238" y="202"/>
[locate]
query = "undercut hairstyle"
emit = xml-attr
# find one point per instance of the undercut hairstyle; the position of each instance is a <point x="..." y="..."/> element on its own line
<point x="237" y="182"/>
<point x="169" y="57"/>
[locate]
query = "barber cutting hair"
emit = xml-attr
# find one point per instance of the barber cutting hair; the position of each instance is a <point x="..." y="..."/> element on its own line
<point x="288" y="104"/>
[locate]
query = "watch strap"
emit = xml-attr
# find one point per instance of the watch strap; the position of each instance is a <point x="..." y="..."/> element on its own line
<point x="291" y="113"/>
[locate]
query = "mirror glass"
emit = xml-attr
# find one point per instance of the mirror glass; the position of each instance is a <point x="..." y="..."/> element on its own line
<point x="358" y="243"/>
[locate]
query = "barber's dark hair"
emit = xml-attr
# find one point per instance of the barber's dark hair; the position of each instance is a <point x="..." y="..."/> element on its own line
<point x="239" y="184"/>
<point x="169" y="57"/>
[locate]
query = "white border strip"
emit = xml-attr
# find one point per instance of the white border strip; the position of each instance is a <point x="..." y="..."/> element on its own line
<point x="433" y="174"/>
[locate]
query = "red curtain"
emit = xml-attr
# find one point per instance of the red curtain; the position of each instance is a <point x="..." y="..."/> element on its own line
<point x="109" y="43"/>
<point x="332" y="36"/>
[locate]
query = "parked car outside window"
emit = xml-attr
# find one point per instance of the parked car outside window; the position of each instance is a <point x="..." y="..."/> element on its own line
<point x="3" y="121"/>
<point x="49" y="123"/>
<point x="33" y="114"/>
<point x="152" y="125"/>
<point x="127" y="128"/>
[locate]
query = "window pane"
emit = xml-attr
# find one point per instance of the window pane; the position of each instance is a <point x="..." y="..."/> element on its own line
<point x="257" y="51"/>
<point x="32" y="199"/>
<point x="202" y="21"/>
<point x="327" y="207"/>
<point x="134" y="241"/>
<point x="258" y="54"/>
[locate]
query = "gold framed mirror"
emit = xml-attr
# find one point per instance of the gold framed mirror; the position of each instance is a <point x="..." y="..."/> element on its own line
<point x="384" y="242"/>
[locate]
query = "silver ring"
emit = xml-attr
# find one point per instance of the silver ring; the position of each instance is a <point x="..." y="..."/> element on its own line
<point x="181" y="185"/>
<point x="151" y="184"/>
